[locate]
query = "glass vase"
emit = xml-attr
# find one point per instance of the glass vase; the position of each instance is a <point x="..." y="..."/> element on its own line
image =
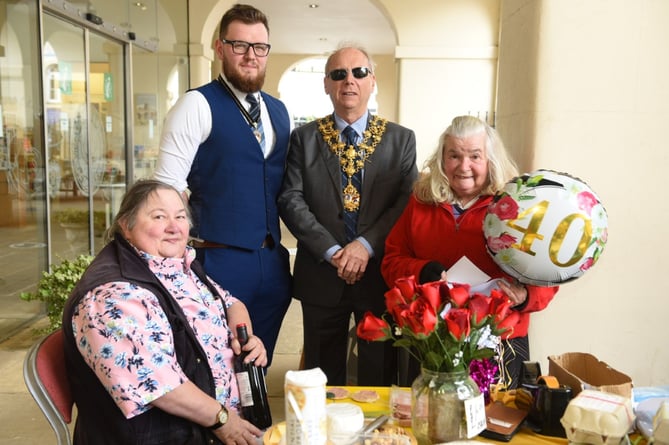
<point x="446" y="406"/>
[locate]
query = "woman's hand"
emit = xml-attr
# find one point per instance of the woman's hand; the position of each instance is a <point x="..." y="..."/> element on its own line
<point x="255" y="348"/>
<point x="190" y="402"/>
<point x="238" y="431"/>
<point x="516" y="292"/>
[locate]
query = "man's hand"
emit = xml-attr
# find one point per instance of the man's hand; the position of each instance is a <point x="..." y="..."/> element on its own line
<point x="351" y="262"/>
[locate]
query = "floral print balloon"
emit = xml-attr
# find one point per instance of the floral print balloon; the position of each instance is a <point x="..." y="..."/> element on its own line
<point x="546" y="228"/>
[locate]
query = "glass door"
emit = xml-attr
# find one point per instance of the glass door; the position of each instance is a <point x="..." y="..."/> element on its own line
<point x="84" y="75"/>
<point x="23" y="244"/>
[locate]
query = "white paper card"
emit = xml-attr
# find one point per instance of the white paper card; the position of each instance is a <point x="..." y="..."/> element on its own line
<point x="486" y="288"/>
<point x="466" y="272"/>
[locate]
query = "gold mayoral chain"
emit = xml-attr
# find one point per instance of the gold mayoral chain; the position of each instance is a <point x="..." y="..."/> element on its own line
<point x="352" y="161"/>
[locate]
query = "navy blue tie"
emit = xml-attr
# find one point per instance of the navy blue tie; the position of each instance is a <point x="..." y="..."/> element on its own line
<point x="351" y="217"/>
<point x="254" y="112"/>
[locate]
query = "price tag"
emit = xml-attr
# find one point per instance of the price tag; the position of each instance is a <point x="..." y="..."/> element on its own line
<point x="475" y="415"/>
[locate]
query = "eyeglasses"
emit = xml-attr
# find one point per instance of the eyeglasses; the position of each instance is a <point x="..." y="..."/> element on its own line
<point x="340" y="74"/>
<point x="242" y="47"/>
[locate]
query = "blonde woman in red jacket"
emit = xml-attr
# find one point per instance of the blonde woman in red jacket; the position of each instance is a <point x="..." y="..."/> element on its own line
<point x="443" y="222"/>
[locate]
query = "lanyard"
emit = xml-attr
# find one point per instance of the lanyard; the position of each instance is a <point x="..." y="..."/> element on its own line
<point x="247" y="116"/>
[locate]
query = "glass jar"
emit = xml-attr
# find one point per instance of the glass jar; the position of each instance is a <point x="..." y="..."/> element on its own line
<point x="446" y="406"/>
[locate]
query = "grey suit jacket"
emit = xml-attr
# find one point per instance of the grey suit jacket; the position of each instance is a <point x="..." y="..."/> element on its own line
<point x="311" y="206"/>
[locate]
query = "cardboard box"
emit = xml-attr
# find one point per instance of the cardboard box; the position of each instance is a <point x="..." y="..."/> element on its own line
<point x="581" y="371"/>
<point x="596" y="417"/>
<point x="661" y="425"/>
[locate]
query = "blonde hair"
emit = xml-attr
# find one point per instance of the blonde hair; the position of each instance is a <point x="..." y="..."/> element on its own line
<point x="432" y="187"/>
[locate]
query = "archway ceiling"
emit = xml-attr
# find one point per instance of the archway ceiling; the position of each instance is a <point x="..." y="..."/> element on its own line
<point x="297" y="29"/>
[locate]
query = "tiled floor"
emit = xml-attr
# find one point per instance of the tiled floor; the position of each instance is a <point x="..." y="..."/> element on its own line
<point x="23" y="423"/>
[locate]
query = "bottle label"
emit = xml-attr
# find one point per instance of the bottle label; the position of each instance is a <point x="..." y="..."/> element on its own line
<point x="245" y="393"/>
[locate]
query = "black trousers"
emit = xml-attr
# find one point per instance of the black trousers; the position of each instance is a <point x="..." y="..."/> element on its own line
<point x="326" y="341"/>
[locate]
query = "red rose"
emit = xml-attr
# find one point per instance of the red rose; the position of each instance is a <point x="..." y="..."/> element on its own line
<point x="407" y="286"/>
<point x="372" y="328"/>
<point x="508" y="324"/>
<point x="500" y="306"/>
<point x="459" y="294"/>
<point x="479" y="305"/>
<point x="431" y="291"/>
<point x="394" y="298"/>
<point x="457" y="322"/>
<point x="505" y="208"/>
<point x="421" y="316"/>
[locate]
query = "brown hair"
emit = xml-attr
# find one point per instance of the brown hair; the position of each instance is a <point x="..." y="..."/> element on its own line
<point x="133" y="200"/>
<point x="242" y="13"/>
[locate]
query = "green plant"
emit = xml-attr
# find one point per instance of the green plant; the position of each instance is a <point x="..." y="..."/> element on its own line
<point x="76" y="216"/>
<point x="55" y="287"/>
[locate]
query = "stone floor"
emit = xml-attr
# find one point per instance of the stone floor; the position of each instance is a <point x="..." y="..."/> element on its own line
<point x="22" y="423"/>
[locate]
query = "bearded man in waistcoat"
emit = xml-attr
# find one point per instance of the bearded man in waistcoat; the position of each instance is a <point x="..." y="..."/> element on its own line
<point x="224" y="146"/>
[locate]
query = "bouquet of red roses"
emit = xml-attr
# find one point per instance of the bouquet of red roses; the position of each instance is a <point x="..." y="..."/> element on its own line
<point x="441" y="324"/>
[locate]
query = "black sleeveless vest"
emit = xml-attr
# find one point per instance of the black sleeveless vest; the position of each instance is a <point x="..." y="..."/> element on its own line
<point x="99" y="420"/>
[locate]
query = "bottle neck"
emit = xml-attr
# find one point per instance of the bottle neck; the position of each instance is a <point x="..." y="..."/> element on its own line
<point x="242" y="334"/>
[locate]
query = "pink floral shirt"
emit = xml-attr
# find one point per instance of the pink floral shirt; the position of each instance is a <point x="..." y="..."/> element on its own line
<point x="125" y="337"/>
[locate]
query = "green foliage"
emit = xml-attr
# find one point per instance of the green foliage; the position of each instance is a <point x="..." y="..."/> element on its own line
<point x="76" y="216"/>
<point x="55" y="287"/>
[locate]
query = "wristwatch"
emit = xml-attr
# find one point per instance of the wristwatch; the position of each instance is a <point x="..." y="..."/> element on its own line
<point x="221" y="418"/>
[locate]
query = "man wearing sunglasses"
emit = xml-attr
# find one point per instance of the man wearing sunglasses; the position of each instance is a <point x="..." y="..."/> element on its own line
<point x="226" y="142"/>
<point x="348" y="178"/>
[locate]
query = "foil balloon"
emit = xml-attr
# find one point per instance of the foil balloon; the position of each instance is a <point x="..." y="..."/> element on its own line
<point x="545" y="228"/>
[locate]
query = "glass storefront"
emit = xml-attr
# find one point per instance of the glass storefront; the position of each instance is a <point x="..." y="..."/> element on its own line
<point x="84" y="87"/>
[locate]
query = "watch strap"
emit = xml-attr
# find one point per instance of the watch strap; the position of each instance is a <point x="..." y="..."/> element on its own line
<point x="222" y="414"/>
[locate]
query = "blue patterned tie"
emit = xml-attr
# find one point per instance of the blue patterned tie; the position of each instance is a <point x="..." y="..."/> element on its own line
<point x="351" y="218"/>
<point x="254" y="112"/>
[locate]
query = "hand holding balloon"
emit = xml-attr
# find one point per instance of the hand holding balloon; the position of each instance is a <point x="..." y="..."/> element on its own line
<point x="516" y="292"/>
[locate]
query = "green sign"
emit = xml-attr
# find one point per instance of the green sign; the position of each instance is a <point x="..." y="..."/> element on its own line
<point x="65" y="72"/>
<point x="108" y="87"/>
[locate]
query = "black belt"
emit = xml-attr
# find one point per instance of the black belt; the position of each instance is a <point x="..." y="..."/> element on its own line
<point x="268" y="242"/>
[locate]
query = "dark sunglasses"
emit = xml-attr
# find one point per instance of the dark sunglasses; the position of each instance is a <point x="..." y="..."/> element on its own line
<point x="340" y="74"/>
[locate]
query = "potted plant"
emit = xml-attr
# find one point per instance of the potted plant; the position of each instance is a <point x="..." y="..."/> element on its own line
<point x="78" y="218"/>
<point x="75" y="223"/>
<point x="55" y="287"/>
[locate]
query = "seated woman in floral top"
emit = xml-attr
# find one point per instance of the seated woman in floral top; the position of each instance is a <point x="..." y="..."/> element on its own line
<point x="148" y="339"/>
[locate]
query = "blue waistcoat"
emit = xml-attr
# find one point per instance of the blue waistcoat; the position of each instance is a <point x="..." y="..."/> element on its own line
<point x="234" y="189"/>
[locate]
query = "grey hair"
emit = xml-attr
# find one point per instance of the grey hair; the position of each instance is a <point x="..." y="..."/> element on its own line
<point x="350" y="45"/>
<point x="433" y="187"/>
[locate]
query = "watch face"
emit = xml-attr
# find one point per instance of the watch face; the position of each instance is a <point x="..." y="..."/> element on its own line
<point x="223" y="415"/>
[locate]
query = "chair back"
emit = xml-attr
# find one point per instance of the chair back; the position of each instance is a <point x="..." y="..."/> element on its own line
<point x="45" y="376"/>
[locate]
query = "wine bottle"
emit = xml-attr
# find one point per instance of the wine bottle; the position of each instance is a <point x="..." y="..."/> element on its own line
<point x="252" y="388"/>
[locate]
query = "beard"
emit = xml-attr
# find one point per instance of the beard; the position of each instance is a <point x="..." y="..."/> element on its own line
<point x="244" y="84"/>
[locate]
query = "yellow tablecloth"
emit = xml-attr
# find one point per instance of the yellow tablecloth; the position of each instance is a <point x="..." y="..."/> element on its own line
<point x="381" y="406"/>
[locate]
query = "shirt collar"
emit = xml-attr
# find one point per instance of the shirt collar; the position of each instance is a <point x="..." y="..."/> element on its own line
<point x="238" y="93"/>
<point x="359" y="126"/>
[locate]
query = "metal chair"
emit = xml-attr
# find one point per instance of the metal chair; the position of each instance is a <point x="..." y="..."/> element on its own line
<point x="46" y="378"/>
